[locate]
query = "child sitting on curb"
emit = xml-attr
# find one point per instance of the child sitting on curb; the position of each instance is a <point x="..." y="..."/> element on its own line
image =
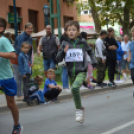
<point x="51" y="89"/>
<point x="34" y="92"/>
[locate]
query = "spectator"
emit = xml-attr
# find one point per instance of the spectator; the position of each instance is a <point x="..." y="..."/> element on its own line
<point x="49" y="45"/>
<point x="100" y="52"/>
<point x="111" y="46"/>
<point x="9" y="37"/>
<point x="25" y="69"/>
<point x="125" y="47"/>
<point x="51" y="89"/>
<point x="131" y="56"/>
<point x="24" y="36"/>
<point x="90" y="67"/>
<point x="65" y="79"/>
<point x="120" y="54"/>
<point x="34" y="92"/>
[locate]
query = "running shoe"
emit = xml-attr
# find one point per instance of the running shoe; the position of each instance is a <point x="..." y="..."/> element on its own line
<point x="90" y="87"/>
<point x="17" y="130"/>
<point x="79" y="115"/>
<point x="103" y="85"/>
<point x="55" y="100"/>
<point x="110" y="84"/>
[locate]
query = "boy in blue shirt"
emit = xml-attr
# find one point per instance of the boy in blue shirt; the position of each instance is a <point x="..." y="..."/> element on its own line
<point x="7" y="82"/>
<point x="51" y="89"/>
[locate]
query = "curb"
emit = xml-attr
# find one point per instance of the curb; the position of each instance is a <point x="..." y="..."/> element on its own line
<point x="4" y="108"/>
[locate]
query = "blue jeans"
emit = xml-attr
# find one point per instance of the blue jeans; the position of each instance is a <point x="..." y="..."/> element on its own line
<point x="49" y="64"/>
<point x="65" y="79"/>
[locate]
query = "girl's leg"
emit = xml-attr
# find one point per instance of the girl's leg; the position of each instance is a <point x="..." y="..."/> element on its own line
<point x="65" y="79"/>
<point x="90" y="69"/>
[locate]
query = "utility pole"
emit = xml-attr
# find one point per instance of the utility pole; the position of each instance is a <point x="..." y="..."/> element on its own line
<point x="15" y="19"/>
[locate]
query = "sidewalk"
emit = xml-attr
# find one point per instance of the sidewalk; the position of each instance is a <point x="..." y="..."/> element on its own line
<point x="63" y="95"/>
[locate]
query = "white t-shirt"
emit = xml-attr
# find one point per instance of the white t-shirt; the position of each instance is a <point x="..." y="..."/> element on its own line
<point x="125" y="47"/>
<point x="99" y="46"/>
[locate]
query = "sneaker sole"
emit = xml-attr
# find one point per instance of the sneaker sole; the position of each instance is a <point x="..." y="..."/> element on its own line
<point x="22" y="128"/>
<point x="81" y="121"/>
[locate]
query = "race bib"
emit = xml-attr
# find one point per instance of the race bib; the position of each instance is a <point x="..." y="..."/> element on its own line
<point x="74" y="55"/>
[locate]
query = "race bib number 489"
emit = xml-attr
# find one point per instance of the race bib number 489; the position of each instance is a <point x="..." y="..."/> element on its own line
<point x="74" y="55"/>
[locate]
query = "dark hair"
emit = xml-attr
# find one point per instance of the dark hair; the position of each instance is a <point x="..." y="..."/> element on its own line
<point x="84" y="35"/>
<point x="103" y="32"/>
<point x="110" y="29"/>
<point x="3" y="24"/>
<point x="28" y="24"/>
<point x="75" y="23"/>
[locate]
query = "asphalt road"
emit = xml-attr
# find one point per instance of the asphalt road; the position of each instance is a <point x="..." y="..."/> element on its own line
<point x="110" y="112"/>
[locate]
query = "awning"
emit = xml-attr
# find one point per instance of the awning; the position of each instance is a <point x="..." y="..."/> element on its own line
<point x="82" y="29"/>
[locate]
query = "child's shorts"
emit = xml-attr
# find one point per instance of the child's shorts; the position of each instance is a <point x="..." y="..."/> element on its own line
<point x="9" y="86"/>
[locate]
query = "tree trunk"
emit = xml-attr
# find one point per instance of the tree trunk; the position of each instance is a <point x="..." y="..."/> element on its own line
<point x="126" y="22"/>
<point x="95" y="16"/>
<point x="96" y="21"/>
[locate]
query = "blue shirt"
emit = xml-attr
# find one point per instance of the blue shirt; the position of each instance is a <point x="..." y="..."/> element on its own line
<point x="23" y="37"/>
<point x="48" y="82"/>
<point x="131" y="49"/>
<point x="119" y="52"/>
<point x="24" y="64"/>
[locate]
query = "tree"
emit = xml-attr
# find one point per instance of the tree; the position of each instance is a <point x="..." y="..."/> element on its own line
<point x="120" y="11"/>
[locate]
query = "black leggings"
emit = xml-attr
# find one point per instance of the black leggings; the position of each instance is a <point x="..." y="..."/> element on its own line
<point x="51" y="94"/>
<point x="132" y="75"/>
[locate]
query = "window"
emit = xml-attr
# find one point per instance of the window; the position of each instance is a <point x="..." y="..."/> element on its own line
<point x="85" y="12"/>
<point x="33" y="17"/>
<point x="66" y="19"/>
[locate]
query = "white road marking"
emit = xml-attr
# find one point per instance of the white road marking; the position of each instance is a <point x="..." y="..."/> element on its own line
<point x="119" y="128"/>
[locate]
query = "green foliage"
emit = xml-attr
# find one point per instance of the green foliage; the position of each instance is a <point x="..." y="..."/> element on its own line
<point x="120" y="11"/>
<point x="38" y="68"/>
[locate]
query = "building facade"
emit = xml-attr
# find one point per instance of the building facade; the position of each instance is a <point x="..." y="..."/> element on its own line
<point x="32" y="11"/>
<point x="85" y="15"/>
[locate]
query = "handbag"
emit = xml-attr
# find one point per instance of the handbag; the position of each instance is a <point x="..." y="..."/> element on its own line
<point x="104" y="52"/>
<point x="63" y="63"/>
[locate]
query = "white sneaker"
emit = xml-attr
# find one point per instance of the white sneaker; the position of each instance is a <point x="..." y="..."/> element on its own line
<point x="125" y="76"/>
<point x="67" y="90"/>
<point x="79" y="115"/>
<point x="119" y="81"/>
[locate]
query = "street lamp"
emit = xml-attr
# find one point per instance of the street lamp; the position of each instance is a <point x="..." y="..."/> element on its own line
<point x="107" y="22"/>
<point x="46" y="13"/>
